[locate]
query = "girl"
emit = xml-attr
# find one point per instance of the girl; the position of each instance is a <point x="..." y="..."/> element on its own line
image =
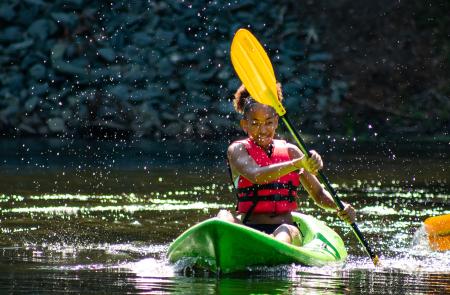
<point x="267" y="172"/>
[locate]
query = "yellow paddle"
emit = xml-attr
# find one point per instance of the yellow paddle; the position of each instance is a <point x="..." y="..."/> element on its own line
<point x="255" y="70"/>
<point x="438" y="230"/>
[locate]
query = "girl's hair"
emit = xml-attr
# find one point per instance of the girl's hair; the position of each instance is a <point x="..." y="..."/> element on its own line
<point x="243" y="101"/>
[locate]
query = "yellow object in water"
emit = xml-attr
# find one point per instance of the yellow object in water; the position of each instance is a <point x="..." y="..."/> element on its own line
<point x="438" y="230"/>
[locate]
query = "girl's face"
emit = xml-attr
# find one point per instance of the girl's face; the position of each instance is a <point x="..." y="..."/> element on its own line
<point x="260" y="124"/>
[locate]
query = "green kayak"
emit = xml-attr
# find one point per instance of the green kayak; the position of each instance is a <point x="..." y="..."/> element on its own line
<point x="225" y="247"/>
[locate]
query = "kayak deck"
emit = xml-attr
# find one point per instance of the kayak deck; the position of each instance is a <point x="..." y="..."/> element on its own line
<point x="218" y="245"/>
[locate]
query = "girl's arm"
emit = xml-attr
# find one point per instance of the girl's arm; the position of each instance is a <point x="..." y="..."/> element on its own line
<point x="242" y="163"/>
<point x="320" y="195"/>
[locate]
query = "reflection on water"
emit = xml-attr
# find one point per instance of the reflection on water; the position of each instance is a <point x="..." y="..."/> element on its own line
<point x="62" y="230"/>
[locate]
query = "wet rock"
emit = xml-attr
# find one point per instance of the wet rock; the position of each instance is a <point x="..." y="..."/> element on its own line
<point x="7" y="12"/>
<point x="15" y="81"/>
<point x="11" y="34"/>
<point x="188" y="130"/>
<point x="189" y="117"/>
<point x="149" y="116"/>
<point x="165" y="68"/>
<point x="74" y="68"/>
<point x="119" y="91"/>
<point x="39" y="89"/>
<point x="106" y="112"/>
<point x="37" y="71"/>
<point x="153" y="63"/>
<point x="74" y="3"/>
<point x="24" y="126"/>
<point x="31" y="103"/>
<point x="56" y="125"/>
<point x="320" y="57"/>
<point x="36" y="2"/>
<point x="20" y="46"/>
<point x="163" y="39"/>
<point x="219" y="122"/>
<point x="141" y="39"/>
<point x="43" y="130"/>
<point x="7" y="113"/>
<point x="42" y="28"/>
<point x="173" y="129"/>
<point x="134" y="74"/>
<point x="203" y="130"/>
<point x="168" y="116"/>
<point x="107" y="53"/>
<point x="66" y="19"/>
<point x="30" y="59"/>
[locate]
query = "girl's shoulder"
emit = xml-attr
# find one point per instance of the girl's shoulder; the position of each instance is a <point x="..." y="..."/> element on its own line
<point x="237" y="146"/>
<point x="240" y="143"/>
<point x="293" y="150"/>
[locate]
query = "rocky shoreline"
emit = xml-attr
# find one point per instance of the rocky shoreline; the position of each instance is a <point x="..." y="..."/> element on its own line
<point x="158" y="69"/>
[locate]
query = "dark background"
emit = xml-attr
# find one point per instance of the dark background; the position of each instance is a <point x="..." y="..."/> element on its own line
<point x="161" y="69"/>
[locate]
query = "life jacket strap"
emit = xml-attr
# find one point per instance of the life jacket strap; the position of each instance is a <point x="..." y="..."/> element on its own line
<point x="277" y="197"/>
<point x="267" y="186"/>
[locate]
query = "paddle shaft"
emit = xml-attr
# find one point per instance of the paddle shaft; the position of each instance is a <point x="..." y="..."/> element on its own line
<point x="324" y="180"/>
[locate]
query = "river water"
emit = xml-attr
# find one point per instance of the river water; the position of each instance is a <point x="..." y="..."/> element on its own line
<point x="98" y="217"/>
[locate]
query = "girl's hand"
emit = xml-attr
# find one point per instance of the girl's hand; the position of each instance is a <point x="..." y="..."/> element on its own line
<point x="348" y="214"/>
<point x="311" y="164"/>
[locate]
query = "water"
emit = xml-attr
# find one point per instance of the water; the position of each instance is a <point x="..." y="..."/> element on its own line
<point x="97" y="217"/>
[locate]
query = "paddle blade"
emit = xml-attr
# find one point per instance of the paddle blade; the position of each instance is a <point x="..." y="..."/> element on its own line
<point x="253" y="67"/>
<point x="438" y="230"/>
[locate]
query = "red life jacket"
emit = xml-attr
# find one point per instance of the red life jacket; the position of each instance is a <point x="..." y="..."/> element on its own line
<point x="276" y="197"/>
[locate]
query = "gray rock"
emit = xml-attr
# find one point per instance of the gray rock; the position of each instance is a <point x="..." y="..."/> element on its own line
<point x="12" y="109"/>
<point x="165" y="68"/>
<point x="189" y="117"/>
<point x="24" y="126"/>
<point x="163" y="38"/>
<point x="188" y="130"/>
<point x="149" y="116"/>
<point x="120" y="91"/>
<point x="7" y="12"/>
<point x="173" y="129"/>
<point x="35" y="2"/>
<point x="320" y="57"/>
<point x="56" y="125"/>
<point x="155" y="92"/>
<point x="15" y="81"/>
<point x="110" y="124"/>
<point x="74" y="68"/>
<point x="43" y="130"/>
<point x="4" y="59"/>
<point x="219" y="123"/>
<point x="41" y="29"/>
<point x="38" y="71"/>
<point x="141" y="39"/>
<point x="168" y="116"/>
<point x="21" y="45"/>
<point x="73" y="3"/>
<point x="202" y="129"/>
<point x="11" y="34"/>
<point x="67" y="19"/>
<point x="134" y="74"/>
<point x="32" y="58"/>
<point x="23" y="94"/>
<point x="106" y="111"/>
<point x="39" y="89"/>
<point x="139" y="95"/>
<point x="107" y="53"/>
<point x="225" y="107"/>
